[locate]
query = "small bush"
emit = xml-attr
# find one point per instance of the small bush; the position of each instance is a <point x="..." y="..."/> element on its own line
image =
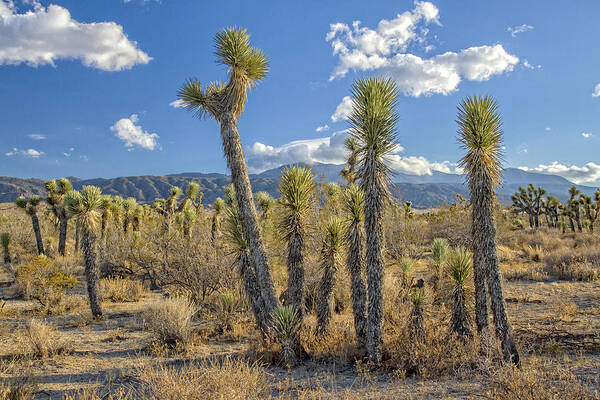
<point x="170" y="321"/>
<point x="122" y="290"/>
<point x="40" y="340"/>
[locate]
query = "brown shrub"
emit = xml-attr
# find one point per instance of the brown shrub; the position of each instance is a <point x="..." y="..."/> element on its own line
<point x="40" y="340"/>
<point x="122" y="290"/>
<point x="170" y="322"/>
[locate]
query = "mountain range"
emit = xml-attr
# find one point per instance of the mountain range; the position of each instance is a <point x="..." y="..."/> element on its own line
<point x="424" y="191"/>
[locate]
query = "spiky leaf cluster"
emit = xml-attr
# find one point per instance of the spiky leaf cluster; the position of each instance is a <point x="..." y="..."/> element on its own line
<point x="85" y="205"/>
<point x="297" y="188"/>
<point x="459" y="266"/>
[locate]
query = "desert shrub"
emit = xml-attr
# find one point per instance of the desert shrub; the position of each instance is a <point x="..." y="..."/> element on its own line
<point x="234" y="379"/>
<point x="42" y="280"/>
<point x="40" y="340"/>
<point x="286" y="324"/>
<point x="122" y="290"/>
<point x="170" y="322"/>
<point x="534" y="253"/>
<point x="520" y="272"/>
<point x="578" y="264"/>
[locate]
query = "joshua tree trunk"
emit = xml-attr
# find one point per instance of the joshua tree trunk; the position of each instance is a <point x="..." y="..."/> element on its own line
<point x="62" y="233"/>
<point x="460" y="314"/>
<point x="479" y="278"/>
<point x="354" y="261"/>
<point x="484" y="239"/>
<point x="578" y="220"/>
<point x="243" y="192"/>
<point x="92" y="273"/>
<point x="252" y="291"/>
<point x="374" y="266"/>
<point x="325" y="289"/>
<point x="295" y="260"/>
<point x="38" y="233"/>
<point x="571" y="224"/>
<point x="77" y="232"/>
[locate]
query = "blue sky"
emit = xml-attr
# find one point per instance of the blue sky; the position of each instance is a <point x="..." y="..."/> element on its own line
<point x="96" y="100"/>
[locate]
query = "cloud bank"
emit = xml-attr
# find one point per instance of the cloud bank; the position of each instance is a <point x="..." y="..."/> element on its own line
<point x="589" y="172"/>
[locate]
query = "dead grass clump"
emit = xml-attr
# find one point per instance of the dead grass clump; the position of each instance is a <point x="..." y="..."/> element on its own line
<point x="97" y="394"/>
<point x="122" y="290"/>
<point x="337" y="345"/>
<point x="524" y="272"/>
<point x="40" y="340"/>
<point x="534" y="253"/>
<point x="22" y="388"/>
<point x="216" y="379"/>
<point x="170" y="322"/>
<point x="539" y="381"/>
<point x="579" y="264"/>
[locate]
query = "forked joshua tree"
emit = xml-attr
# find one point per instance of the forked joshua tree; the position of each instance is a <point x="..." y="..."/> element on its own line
<point x="30" y="207"/>
<point x="297" y="190"/>
<point x="56" y="193"/>
<point x="373" y="125"/>
<point x="84" y="206"/>
<point x="480" y="135"/>
<point x="246" y="66"/>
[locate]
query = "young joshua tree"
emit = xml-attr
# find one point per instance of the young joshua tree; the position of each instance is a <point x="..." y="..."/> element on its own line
<point x="56" y="192"/>
<point x="85" y="207"/>
<point x="354" y="205"/>
<point x="225" y="103"/>
<point x="330" y="260"/>
<point x="459" y="268"/>
<point x="480" y="134"/>
<point x="265" y="202"/>
<point x="439" y="254"/>
<point x="297" y="190"/>
<point x="218" y="207"/>
<point x="591" y="209"/>
<point x="129" y="208"/>
<point x="373" y="125"/>
<point x="30" y="207"/>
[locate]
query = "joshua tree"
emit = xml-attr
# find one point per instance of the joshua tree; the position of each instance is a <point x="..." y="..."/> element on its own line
<point x="574" y="205"/>
<point x="480" y="134"/>
<point x="105" y="211"/>
<point x="55" y="198"/>
<point x="85" y="207"/>
<point x="169" y="207"/>
<point x="297" y="189"/>
<point x="591" y="209"/>
<point x="406" y="266"/>
<point x="5" y="241"/>
<point x="225" y="103"/>
<point x="330" y="259"/>
<point x="129" y="208"/>
<point x="354" y="205"/>
<point x="529" y="201"/>
<point x="459" y="270"/>
<point x="408" y="210"/>
<point x="373" y="125"/>
<point x="218" y="206"/>
<point x="439" y="254"/>
<point x="265" y="202"/>
<point x="417" y="298"/>
<point x="30" y="207"/>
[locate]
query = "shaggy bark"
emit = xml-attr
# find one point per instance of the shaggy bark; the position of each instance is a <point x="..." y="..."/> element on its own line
<point x="252" y="291"/>
<point x="62" y="233"/>
<point x="38" y="233"/>
<point x="484" y="235"/>
<point x="460" y="315"/>
<point x="325" y="289"/>
<point x="243" y="192"/>
<point x="479" y="277"/>
<point x="77" y="233"/>
<point x="92" y="273"/>
<point x="295" y="260"/>
<point x="355" y="264"/>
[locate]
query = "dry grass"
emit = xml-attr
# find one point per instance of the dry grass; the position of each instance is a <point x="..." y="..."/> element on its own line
<point x="38" y="339"/>
<point x="170" y="322"/>
<point x="122" y="290"/>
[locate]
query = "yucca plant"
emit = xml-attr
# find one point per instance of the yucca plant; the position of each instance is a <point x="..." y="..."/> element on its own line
<point x="331" y="252"/>
<point x="246" y="67"/>
<point x="480" y="135"/>
<point x="406" y="266"/>
<point x="84" y="206"/>
<point x="439" y="253"/>
<point x="407" y="208"/>
<point x="56" y="192"/>
<point x="5" y="241"/>
<point x="226" y="306"/>
<point x="286" y="325"/>
<point x="30" y="207"/>
<point x="354" y="206"/>
<point x="297" y="190"/>
<point x="106" y="207"/>
<point x="458" y="267"/>
<point x="218" y="207"/>
<point x="373" y="125"/>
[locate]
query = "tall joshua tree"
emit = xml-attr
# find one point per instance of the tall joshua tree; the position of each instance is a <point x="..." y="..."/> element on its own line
<point x="56" y="192"/>
<point x="30" y="207"/>
<point x="373" y="125"/>
<point x="297" y="189"/>
<point x="480" y="134"/>
<point x="225" y="103"/>
<point x="330" y="260"/>
<point x="354" y="205"/>
<point x="85" y="207"/>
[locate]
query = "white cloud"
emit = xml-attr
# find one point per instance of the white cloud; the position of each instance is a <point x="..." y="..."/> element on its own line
<point x="589" y="172"/>
<point x="596" y="91"/>
<point x="177" y="104"/>
<point x="343" y="110"/>
<point x="322" y="128"/>
<point x="527" y="65"/>
<point x="26" y="153"/>
<point x="43" y="35"/>
<point x="37" y="136"/>
<point x="586" y="135"/>
<point x="547" y="129"/>
<point x="133" y="135"/>
<point x="331" y="150"/>
<point x="384" y="50"/>
<point x="515" y="30"/>
<point x="69" y="152"/>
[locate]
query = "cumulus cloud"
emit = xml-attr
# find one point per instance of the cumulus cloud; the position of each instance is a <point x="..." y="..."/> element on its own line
<point x="134" y="135"/>
<point x="43" y="35"/>
<point x="343" y="110"/>
<point x="331" y="150"/>
<point x="322" y="128"/>
<point x="596" y="91"/>
<point x="515" y="30"/>
<point x="36" y="136"/>
<point x="586" y="135"/>
<point x="589" y="172"/>
<point x="177" y="104"/>
<point x="32" y="153"/>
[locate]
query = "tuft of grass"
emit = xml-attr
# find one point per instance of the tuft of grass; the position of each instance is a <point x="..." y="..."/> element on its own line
<point x="170" y="322"/>
<point x="40" y="340"/>
<point x="122" y="290"/>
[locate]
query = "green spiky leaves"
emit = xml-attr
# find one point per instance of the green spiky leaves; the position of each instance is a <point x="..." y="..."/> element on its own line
<point x="84" y="205"/>
<point x="460" y="265"/>
<point x="480" y="134"/>
<point x="439" y="251"/>
<point x="297" y="189"/>
<point x="354" y="203"/>
<point x="286" y="323"/>
<point x="233" y="49"/>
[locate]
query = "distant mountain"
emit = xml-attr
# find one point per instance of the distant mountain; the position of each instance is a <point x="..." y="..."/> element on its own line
<point x="423" y="190"/>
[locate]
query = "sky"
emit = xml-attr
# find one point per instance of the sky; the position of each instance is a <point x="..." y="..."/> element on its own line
<point x="89" y="88"/>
